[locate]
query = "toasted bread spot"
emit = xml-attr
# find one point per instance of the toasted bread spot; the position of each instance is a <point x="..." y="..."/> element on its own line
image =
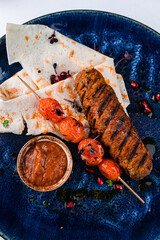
<point x="52" y="56"/>
<point x="68" y="111"/>
<point x="36" y="125"/>
<point x="12" y="92"/>
<point x="114" y="85"/>
<point x="47" y="61"/>
<point x="45" y="131"/>
<point x="24" y="74"/>
<point x="9" y="118"/>
<point x="94" y="55"/>
<point x="39" y="79"/>
<point x="36" y="36"/>
<point x="73" y="42"/>
<point x="107" y="81"/>
<point x="2" y="94"/>
<point x="60" y="88"/>
<point x="112" y="70"/>
<point x="27" y="116"/>
<point x="119" y="77"/>
<point x="36" y="115"/>
<point x="26" y="38"/>
<point x="2" y="119"/>
<point x="101" y="69"/>
<point x="91" y="66"/>
<point x="72" y="95"/>
<point x="63" y="45"/>
<point x="71" y="54"/>
<point x="14" y="114"/>
<point x="45" y="84"/>
<point x="14" y="53"/>
<point x="124" y="95"/>
<point x="41" y="32"/>
<point x="67" y="87"/>
<point x="90" y="61"/>
<point x="104" y="58"/>
<point x="49" y="93"/>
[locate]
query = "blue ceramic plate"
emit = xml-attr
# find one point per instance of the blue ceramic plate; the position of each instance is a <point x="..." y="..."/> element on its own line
<point x="99" y="211"/>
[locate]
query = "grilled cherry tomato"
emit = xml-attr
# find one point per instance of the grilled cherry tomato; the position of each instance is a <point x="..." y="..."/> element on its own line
<point x="71" y="129"/>
<point x="51" y="109"/>
<point x="110" y="169"/>
<point x="91" y="154"/>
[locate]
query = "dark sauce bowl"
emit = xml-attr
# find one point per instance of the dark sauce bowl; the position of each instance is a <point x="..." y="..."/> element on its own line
<point x="24" y="150"/>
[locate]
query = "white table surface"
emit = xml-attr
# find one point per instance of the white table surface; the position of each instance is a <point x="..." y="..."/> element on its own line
<point x="20" y="11"/>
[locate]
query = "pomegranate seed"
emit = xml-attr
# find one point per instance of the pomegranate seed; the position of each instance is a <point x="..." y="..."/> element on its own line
<point x="157" y="97"/>
<point x="144" y="103"/>
<point x="99" y="180"/>
<point x="148" y="110"/>
<point x="70" y="205"/>
<point x="57" y="78"/>
<point x="134" y="85"/>
<point x="89" y="170"/>
<point x="119" y="187"/>
<point x="63" y="75"/>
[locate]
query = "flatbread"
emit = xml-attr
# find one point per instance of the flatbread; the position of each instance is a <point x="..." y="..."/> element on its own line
<point x="13" y="87"/>
<point x="30" y="45"/>
<point x="24" y="109"/>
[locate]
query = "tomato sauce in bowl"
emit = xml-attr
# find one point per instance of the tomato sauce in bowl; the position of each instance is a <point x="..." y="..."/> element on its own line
<point x="44" y="163"/>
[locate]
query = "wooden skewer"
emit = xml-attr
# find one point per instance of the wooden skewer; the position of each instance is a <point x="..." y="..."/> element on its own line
<point x="131" y="190"/>
<point x="36" y="95"/>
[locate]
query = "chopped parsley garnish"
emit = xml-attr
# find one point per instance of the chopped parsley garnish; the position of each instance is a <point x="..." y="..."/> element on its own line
<point x="5" y="123"/>
<point x="109" y="183"/>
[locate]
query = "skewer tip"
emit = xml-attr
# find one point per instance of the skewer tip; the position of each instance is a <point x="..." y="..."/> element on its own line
<point x="142" y="201"/>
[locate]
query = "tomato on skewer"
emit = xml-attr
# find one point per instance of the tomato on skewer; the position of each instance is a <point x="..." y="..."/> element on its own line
<point x="71" y="129"/>
<point x="51" y="109"/>
<point x="110" y="169"/>
<point x="92" y="151"/>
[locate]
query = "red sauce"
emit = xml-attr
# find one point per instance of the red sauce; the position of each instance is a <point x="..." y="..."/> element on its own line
<point x="44" y="163"/>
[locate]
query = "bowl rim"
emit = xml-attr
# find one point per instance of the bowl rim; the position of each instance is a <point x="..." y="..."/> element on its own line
<point x="41" y="139"/>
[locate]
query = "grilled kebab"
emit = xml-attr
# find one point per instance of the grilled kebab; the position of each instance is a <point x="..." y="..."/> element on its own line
<point x="107" y="118"/>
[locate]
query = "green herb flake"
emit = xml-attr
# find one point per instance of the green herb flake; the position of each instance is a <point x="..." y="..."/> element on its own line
<point x="109" y="183"/>
<point x="31" y="198"/>
<point x="5" y="123"/>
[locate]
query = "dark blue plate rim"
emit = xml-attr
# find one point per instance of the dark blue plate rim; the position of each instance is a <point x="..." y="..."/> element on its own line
<point x="88" y="11"/>
<point x="91" y="12"/>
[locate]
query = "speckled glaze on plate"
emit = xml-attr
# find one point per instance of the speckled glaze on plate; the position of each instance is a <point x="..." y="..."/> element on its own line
<point x="98" y="212"/>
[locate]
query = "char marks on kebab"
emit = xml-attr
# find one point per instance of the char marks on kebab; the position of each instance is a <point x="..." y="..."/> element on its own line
<point x="107" y="117"/>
